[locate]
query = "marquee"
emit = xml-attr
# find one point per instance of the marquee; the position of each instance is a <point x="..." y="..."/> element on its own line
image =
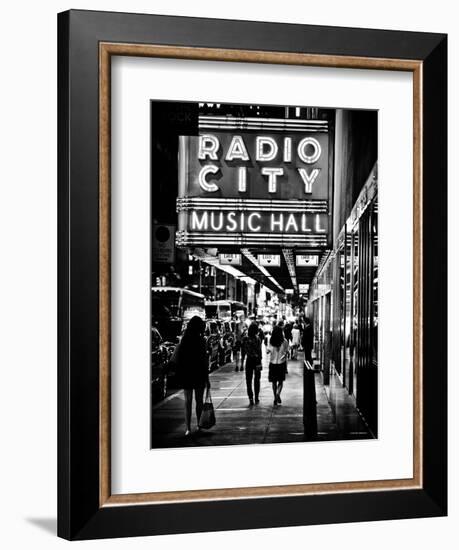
<point x="243" y="180"/>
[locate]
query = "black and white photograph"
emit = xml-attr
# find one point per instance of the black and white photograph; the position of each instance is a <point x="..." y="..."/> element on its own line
<point x="264" y="274"/>
<point x="229" y="263"/>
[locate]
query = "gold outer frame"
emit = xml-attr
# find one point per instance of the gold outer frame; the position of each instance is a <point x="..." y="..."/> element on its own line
<point x="106" y="51"/>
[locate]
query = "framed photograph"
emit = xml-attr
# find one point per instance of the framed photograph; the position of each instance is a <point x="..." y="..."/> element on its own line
<point x="252" y="275"/>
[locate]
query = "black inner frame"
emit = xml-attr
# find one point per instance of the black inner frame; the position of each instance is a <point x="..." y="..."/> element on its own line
<point x="79" y="515"/>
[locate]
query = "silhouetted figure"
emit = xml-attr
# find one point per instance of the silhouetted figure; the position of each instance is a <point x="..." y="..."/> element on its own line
<point x="239" y="332"/>
<point x="295" y="342"/>
<point x="288" y="335"/>
<point x="193" y="367"/>
<point x="251" y="344"/>
<point x="308" y="340"/>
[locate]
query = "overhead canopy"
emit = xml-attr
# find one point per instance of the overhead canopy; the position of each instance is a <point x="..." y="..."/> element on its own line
<point x="274" y="269"/>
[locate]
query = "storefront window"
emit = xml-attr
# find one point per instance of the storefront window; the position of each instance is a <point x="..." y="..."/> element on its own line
<point x="374" y="316"/>
<point x="342" y="290"/>
<point x="355" y="310"/>
<point x="348" y="311"/>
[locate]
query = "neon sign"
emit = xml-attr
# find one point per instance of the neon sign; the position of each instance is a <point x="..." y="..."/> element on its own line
<point x="253" y="222"/>
<point x="243" y="180"/>
<point x="266" y="149"/>
<point x="258" y="165"/>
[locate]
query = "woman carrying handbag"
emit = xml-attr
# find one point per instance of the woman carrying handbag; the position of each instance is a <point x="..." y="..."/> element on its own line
<point x="207" y="418"/>
<point x="278" y="351"/>
<point x="193" y="368"/>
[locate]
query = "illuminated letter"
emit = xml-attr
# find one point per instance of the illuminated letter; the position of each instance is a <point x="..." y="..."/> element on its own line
<point x="314" y="157"/>
<point x="308" y="179"/>
<point x="197" y="223"/>
<point x="318" y="228"/>
<point x="304" y="227"/>
<point x="207" y="186"/>
<point x="271" y="154"/>
<point x="272" y="174"/>
<point x="237" y="149"/>
<point x="291" y="222"/>
<point x="288" y="149"/>
<point x="212" y="221"/>
<point x="249" y="222"/>
<point x="242" y="186"/>
<point x="231" y="220"/>
<point x="279" y="222"/>
<point x="208" y="147"/>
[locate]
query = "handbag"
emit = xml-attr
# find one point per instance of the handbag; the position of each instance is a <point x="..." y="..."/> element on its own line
<point x="207" y="418"/>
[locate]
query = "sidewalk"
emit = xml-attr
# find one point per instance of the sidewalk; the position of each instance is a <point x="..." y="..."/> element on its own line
<point x="237" y="423"/>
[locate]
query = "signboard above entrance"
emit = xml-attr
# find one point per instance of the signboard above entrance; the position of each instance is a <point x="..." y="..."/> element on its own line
<point x="258" y="165"/>
<point x="249" y="181"/>
<point x="307" y="260"/>
<point x="230" y="259"/>
<point x="269" y="259"/>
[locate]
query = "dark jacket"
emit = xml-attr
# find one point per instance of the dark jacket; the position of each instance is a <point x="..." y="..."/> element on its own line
<point x="192" y="363"/>
<point x="252" y="349"/>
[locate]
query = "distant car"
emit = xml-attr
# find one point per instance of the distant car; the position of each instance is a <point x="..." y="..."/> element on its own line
<point x="160" y="355"/>
<point x="226" y="342"/>
<point x="212" y="336"/>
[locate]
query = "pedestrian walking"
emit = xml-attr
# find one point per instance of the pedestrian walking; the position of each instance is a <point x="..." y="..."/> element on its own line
<point x="301" y="327"/>
<point x="277" y="350"/>
<point x="192" y="365"/>
<point x="288" y="335"/>
<point x="261" y="333"/>
<point x="251" y="344"/>
<point x="239" y="332"/>
<point x="308" y="340"/>
<point x="295" y="340"/>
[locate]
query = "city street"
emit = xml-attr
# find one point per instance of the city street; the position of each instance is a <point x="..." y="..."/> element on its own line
<point x="238" y="423"/>
<point x="268" y="215"/>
